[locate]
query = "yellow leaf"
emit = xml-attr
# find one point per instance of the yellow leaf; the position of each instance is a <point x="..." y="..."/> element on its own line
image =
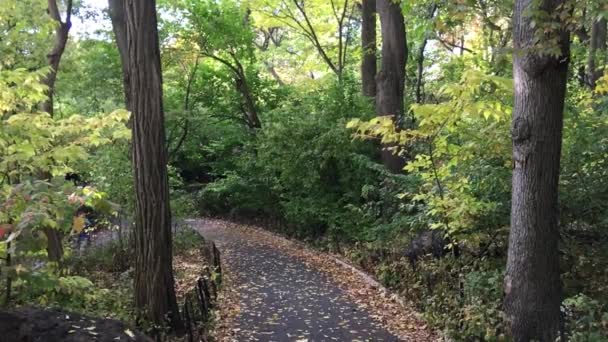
<point x="78" y="224"/>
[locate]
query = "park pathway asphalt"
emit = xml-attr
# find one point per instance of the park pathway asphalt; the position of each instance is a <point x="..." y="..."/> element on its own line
<point x="282" y="298"/>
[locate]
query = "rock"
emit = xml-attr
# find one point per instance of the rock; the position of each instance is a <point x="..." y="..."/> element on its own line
<point x="51" y="325"/>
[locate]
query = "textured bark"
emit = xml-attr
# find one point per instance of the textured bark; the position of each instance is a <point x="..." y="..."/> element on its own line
<point x="119" y="26"/>
<point x="532" y="282"/>
<point x="597" y="47"/>
<point x="153" y="283"/>
<point x="391" y="79"/>
<point x="368" y="44"/>
<point x="54" y="246"/>
<point x="54" y="57"/>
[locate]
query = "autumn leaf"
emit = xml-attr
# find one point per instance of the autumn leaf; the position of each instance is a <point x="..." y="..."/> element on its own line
<point x="78" y="224"/>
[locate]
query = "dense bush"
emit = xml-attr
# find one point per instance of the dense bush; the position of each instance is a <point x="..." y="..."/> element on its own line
<point x="303" y="169"/>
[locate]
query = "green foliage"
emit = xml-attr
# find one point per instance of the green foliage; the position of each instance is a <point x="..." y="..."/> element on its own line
<point x="460" y="149"/>
<point x="299" y="31"/>
<point x="24" y="28"/>
<point x="109" y="168"/>
<point x="32" y="142"/>
<point x="33" y="145"/>
<point x="303" y="169"/>
<point x="218" y="27"/>
<point x="33" y="149"/>
<point x="86" y="289"/>
<point x="108" y="268"/>
<point x="47" y="288"/>
<point x="91" y="82"/>
<point x="182" y="202"/>
<point x="35" y="142"/>
<point x="588" y="319"/>
<point x="584" y="161"/>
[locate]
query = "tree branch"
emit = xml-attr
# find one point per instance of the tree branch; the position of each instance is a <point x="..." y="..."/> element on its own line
<point x="315" y="39"/>
<point x="53" y="10"/>
<point x="450" y="46"/>
<point x="186" y="108"/>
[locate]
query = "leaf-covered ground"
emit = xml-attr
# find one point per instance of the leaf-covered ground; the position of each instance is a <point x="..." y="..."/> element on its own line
<point x="278" y="290"/>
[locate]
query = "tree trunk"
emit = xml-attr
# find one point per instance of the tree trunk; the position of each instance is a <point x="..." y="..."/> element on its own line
<point x="420" y="70"/>
<point x="53" y="236"/>
<point x="532" y="282"/>
<point x="153" y="283"/>
<point x="420" y="60"/>
<point x="391" y="79"/>
<point x="248" y="103"/>
<point x="117" y="16"/>
<point x="54" y="247"/>
<point x="368" y="44"/>
<point x="597" y="47"/>
<point x="54" y="57"/>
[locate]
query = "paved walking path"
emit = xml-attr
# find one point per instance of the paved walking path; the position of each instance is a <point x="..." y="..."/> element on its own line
<point x="282" y="298"/>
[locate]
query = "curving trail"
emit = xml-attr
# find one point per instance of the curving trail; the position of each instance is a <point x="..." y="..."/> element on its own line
<point x="282" y="298"/>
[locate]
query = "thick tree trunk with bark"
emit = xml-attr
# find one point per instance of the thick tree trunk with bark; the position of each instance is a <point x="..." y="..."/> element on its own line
<point x="597" y="47"/>
<point x="119" y="26"/>
<point x="391" y="79"/>
<point x="532" y="282"/>
<point x="368" y="45"/>
<point x="154" y="283"/>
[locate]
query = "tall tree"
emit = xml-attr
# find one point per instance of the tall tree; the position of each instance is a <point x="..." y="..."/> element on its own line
<point x="54" y="57"/>
<point x="368" y="45"/>
<point x="597" y="47"/>
<point x="119" y="26"/>
<point x="62" y="29"/>
<point x="532" y="282"/>
<point x="391" y="78"/>
<point x="153" y="283"/>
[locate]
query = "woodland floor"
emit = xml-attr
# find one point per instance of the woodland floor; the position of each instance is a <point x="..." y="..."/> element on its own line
<point x="279" y="290"/>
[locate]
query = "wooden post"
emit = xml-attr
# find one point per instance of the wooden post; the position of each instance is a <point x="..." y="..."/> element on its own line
<point x="216" y="259"/>
<point x="188" y="320"/>
<point x="203" y="300"/>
